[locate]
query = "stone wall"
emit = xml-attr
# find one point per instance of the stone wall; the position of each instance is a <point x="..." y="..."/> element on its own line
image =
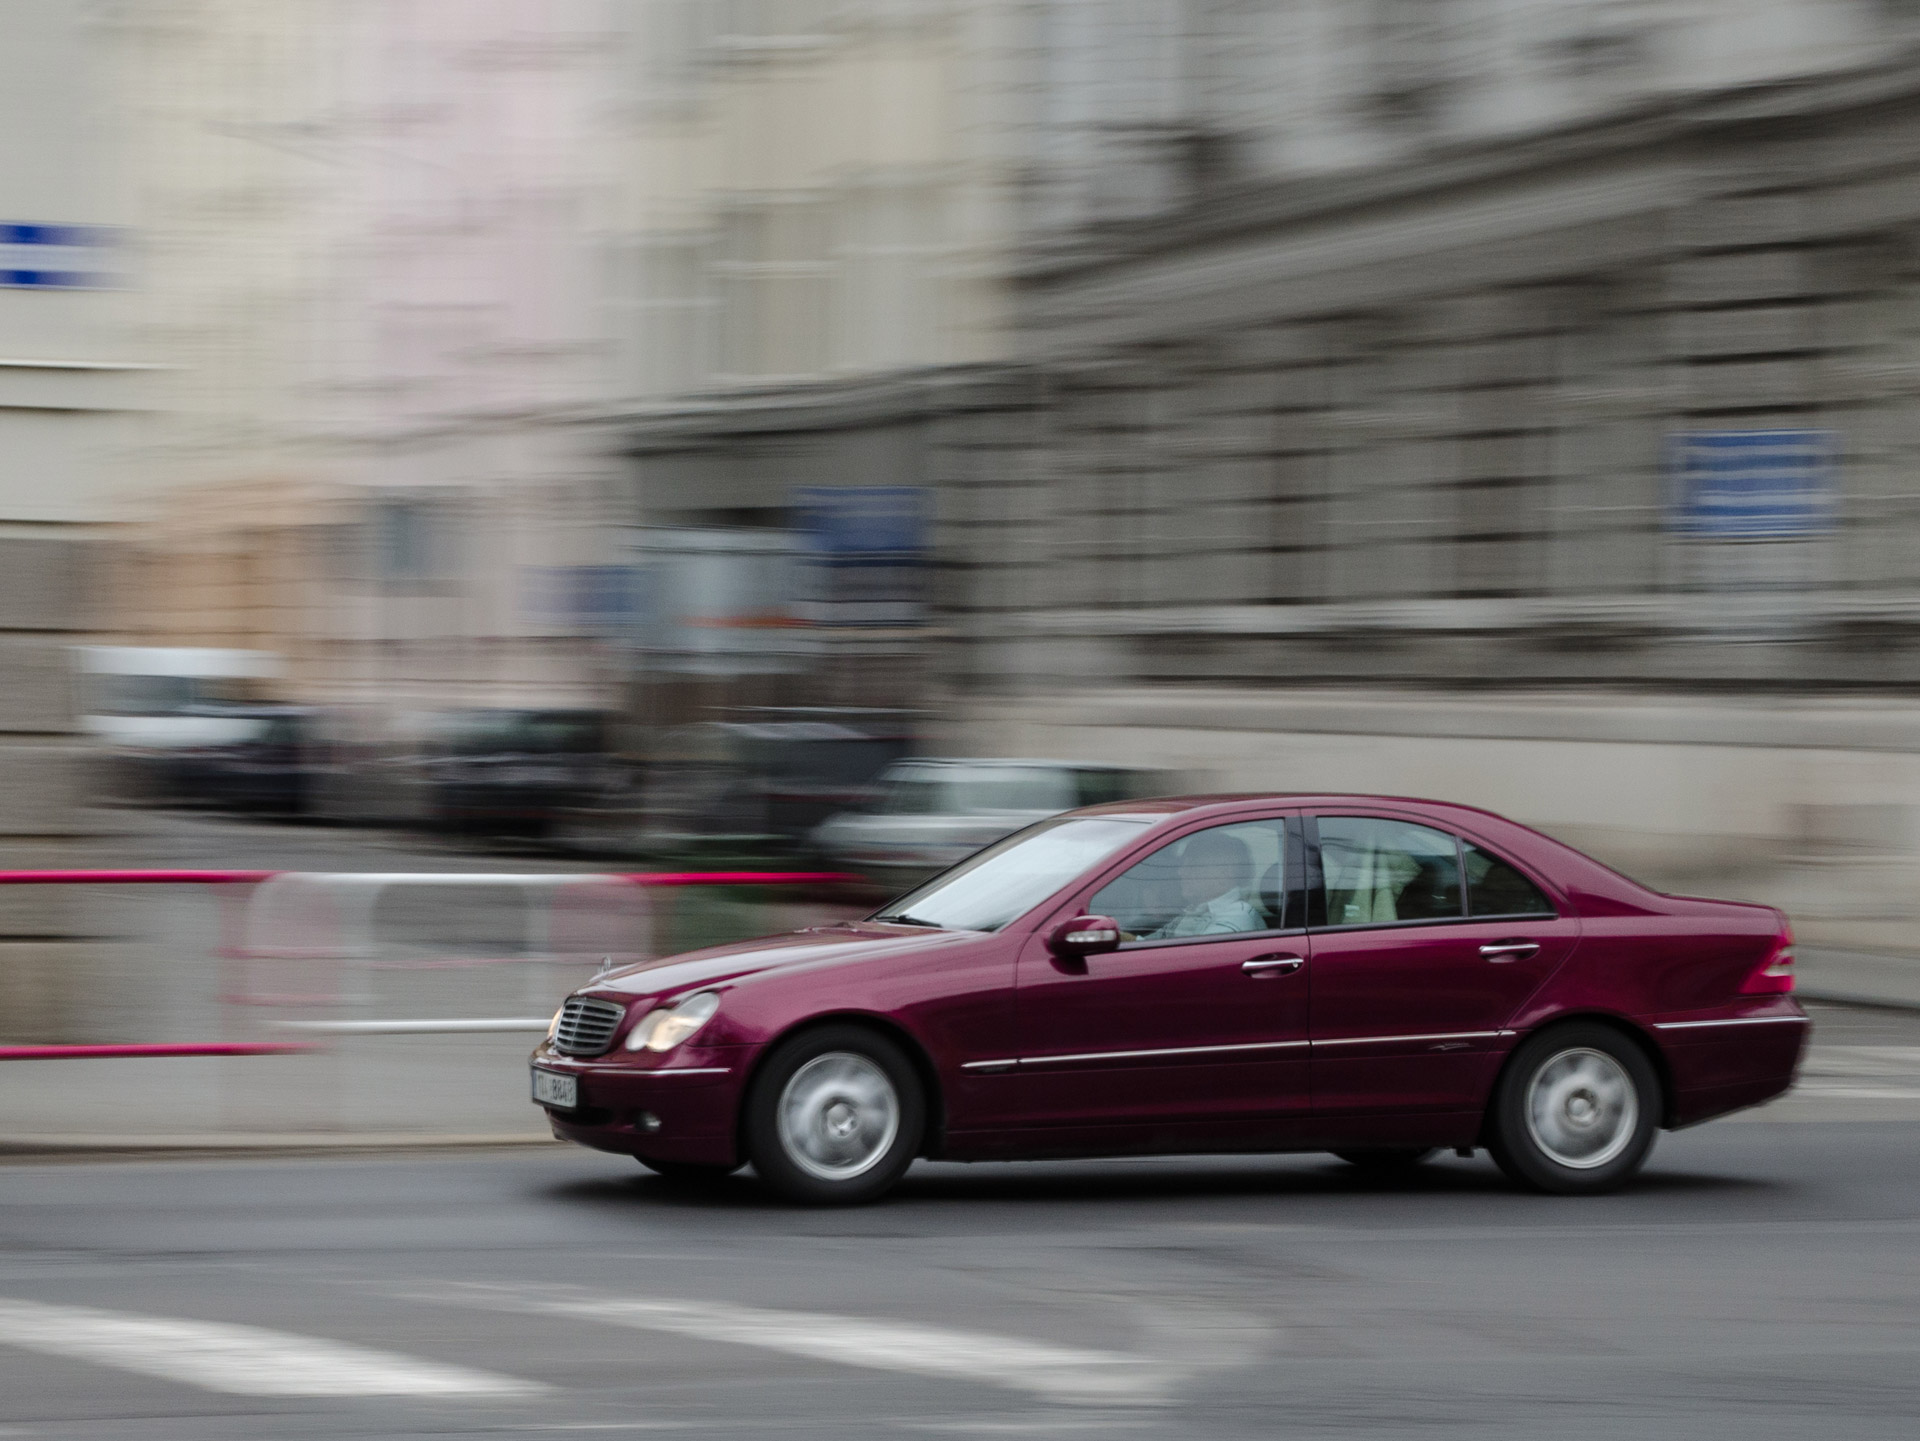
<point x="46" y="775"/>
<point x="1410" y="426"/>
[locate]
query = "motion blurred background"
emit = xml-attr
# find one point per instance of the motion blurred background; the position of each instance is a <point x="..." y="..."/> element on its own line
<point x="630" y="427"/>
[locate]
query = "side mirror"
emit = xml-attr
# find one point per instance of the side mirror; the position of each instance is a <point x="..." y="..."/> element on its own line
<point x="1084" y="936"/>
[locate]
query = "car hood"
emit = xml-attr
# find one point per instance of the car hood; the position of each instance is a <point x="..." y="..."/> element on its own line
<point x="820" y="946"/>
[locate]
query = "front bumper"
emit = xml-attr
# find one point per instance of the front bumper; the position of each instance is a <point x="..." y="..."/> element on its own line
<point x="681" y="1107"/>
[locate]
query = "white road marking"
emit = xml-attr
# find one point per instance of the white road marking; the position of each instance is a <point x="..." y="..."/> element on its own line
<point x="240" y="1360"/>
<point x="1073" y="1374"/>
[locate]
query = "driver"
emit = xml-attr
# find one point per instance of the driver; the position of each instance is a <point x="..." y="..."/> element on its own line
<point x="1216" y="878"/>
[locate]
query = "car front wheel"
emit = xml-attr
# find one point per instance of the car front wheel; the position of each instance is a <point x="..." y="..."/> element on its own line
<point x="1575" y="1111"/>
<point x="834" y="1117"/>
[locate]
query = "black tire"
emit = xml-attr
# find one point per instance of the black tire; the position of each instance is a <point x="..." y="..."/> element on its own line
<point x="1388" y="1160"/>
<point x="691" y="1173"/>
<point x="1575" y="1111"/>
<point x="854" y="1110"/>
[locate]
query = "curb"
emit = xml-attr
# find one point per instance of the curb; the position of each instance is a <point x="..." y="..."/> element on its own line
<point x="1855" y="998"/>
<point x="264" y="1143"/>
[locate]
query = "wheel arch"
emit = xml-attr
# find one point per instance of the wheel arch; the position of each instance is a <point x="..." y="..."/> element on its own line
<point x="934" y="1139"/>
<point x="1630" y="1031"/>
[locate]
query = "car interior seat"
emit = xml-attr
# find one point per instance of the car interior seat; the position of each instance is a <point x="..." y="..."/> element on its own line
<point x="1272" y="897"/>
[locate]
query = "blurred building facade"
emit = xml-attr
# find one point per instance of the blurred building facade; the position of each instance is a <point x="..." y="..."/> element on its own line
<point x="1203" y="384"/>
<point x="825" y="208"/>
<point x="373" y="242"/>
<point x="1343" y="354"/>
<point x="1554" y="357"/>
<point x="72" y="390"/>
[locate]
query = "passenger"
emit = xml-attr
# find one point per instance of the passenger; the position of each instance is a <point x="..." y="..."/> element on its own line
<point x="1216" y="883"/>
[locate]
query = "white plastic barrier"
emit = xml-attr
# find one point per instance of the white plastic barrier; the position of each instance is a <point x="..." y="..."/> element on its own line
<point x="314" y="940"/>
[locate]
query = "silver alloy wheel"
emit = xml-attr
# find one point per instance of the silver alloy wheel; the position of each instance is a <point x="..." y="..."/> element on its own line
<point x="838" y="1116"/>
<point x="1582" y="1108"/>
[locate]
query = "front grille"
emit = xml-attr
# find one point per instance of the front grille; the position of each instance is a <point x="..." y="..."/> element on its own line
<point x="587" y="1026"/>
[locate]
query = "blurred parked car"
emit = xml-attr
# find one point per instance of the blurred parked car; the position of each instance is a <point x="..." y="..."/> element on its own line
<point x="151" y="706"/>
<point x="514" y="771"/>
<point x="266" y="763"/>
<point x="773" y="775"/>
<point x="927" y="813"/>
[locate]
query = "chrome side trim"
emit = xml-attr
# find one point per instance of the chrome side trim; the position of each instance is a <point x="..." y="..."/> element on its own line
<point x="1435" y="1036"/>
<point x="1733" y="1021"/>
<point x="988" y="1065"/>
<point x="1169" y="1051"/>
<point x="687" y="1071"/>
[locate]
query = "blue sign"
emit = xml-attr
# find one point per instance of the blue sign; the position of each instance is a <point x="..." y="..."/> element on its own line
<point x="587" y="598"/>
<point x="1751" y="484"/>
<point x="852" y="522"/>
<point x="867" y="545"/>
<point x="55" y="257"/>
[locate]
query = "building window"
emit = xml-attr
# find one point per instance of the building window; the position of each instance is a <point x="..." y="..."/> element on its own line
<point x="773" y="272"/>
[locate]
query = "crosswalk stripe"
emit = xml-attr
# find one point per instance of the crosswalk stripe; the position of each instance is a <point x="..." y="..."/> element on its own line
<point x="1070" y="1374"/>
<point x="241" y="1360"/>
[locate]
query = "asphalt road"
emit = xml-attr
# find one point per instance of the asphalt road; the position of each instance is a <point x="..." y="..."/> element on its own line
<point x="1761" y="1280"/>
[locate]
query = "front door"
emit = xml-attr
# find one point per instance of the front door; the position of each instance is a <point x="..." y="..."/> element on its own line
<point x="1415" y="973"/>
<point x="1201" y="1015"/>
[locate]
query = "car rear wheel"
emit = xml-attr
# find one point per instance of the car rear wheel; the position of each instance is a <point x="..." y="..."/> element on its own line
<point x="834" y="1117"/>
<point x="1575" y="1111"/>
<point x="1387" y="1160"/>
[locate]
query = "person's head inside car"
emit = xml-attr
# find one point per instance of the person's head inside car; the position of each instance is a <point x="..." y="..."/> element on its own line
<point x="1216" y="884"/>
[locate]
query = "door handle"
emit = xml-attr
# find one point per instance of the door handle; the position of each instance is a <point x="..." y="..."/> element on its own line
<point x="1509" y="950"/>
<point x="1266" y="966"/>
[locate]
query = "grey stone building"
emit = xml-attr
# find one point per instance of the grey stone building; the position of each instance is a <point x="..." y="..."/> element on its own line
<point x="68" y="396"/>
<point x="1392" y="480"/>
<point x="1419" y="423"/>
<point x="1540" y="433"/>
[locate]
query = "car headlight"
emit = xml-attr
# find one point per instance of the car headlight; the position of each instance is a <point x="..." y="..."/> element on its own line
<point x="667" y="1026"/>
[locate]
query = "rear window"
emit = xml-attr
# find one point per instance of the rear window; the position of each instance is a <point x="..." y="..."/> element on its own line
<point x="1495" y="888"/>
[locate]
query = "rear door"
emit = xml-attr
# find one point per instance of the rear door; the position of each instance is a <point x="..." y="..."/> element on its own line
<point x="1201" y="1015"/>
<point x="1424" y="946"/>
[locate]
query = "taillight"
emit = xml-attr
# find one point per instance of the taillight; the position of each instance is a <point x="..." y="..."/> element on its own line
<point x="1775" y="978"/>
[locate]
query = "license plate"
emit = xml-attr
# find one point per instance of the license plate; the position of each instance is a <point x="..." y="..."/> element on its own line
<point x="550" y="1088"/>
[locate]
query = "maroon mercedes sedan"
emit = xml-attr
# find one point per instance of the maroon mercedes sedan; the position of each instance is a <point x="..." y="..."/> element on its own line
<point x="1375" y="977"/>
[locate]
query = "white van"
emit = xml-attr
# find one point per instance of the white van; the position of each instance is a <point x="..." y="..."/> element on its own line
<point x="929" y="812"/>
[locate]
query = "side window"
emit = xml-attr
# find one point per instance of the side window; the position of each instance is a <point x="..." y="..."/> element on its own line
<point x="1222" y="881"/>
<point x="1495" y="888"/>
<point x="1379" y="870"/>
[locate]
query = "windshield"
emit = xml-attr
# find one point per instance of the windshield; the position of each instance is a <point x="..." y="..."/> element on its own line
<point x="1009" y="878"/>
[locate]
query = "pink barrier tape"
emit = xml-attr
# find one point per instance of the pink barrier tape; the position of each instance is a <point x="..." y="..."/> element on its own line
<point x="134" y="878"/>
<point x="221" y="878"/>
<point x="209" y="1048"/>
